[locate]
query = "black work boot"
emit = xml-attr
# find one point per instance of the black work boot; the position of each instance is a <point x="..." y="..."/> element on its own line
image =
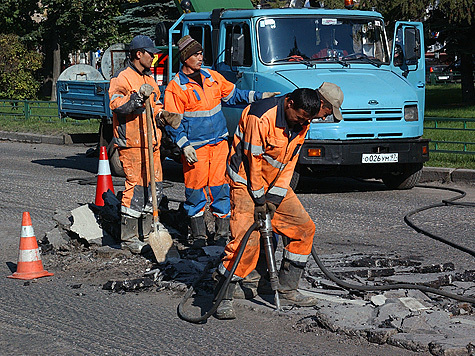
<point x="129" y="235"/>
<point x="225" y="309"/>
<point x="289" y="277"/>
<point x="198" y="231"/>
<point x="256" y="282"/>
<point x="145" y="226"/>
<point x="221" y="236"/>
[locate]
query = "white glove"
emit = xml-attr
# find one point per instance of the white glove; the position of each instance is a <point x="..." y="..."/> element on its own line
<point x="171" y="118"/>
<point x="190" y="154"/>
<point x="145" y="91"/>
<point x="269" y="94"/>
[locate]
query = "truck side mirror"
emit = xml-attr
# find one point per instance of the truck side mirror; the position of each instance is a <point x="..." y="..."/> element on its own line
<point x="412" y="45"/>
<point x="237" y="50"/>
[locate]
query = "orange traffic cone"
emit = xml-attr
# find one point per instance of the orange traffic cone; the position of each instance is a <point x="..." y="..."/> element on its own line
<point x="104" y="178"/>
<point x="29" y="260"/>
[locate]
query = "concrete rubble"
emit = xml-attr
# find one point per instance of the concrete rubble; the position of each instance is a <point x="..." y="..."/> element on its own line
<point x="409" y="319"/>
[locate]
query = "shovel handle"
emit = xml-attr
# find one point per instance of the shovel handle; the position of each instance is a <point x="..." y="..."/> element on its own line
<point x="148" y="113"/>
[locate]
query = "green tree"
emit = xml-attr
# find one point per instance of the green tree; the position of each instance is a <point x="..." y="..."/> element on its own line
<point x="142" y="16"/>
<point x="18" y="17"/>
<point x="17" y="68"/>
<point x="72" y="25"/>
<point x="455" y="22"/>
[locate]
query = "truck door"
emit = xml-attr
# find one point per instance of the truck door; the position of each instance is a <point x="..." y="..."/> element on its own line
<point x="235" y="63"/>
<point x="407" y="57"/>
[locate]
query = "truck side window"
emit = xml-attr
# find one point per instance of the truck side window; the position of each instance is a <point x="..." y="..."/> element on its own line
<point x="203" y="35"/>
<point x="242" y="28"/>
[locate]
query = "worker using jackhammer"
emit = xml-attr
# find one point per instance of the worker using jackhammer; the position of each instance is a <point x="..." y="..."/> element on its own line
<point x="128" y="92"/>
<point x="260" y="165"/>
<point x="197" y="94"/>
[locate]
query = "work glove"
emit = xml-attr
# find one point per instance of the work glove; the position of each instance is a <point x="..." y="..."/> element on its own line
<point x="171" y="118"/>
<point x="145" y="91"/>
<point x="261" y="210"/>
<point x="190" y="154"/>
<point x="269" y="94"/>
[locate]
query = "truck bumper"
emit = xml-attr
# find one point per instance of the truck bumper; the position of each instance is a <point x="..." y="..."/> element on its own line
<point x="345" y="157"/>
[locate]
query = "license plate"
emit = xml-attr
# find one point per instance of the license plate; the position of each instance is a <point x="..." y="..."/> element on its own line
<point x="379" y="158"/>
<point x="443" y="77"/>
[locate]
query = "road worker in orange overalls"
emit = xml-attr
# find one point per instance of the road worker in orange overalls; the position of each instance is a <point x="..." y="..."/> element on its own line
<point x="197" y="94"/>
<point x="260" y="166"/>
<point x="128" y="91"/>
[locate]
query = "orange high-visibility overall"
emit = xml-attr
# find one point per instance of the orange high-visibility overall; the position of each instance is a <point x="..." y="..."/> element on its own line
<point x="260" y="166"/>
<point x="130" y="136"/>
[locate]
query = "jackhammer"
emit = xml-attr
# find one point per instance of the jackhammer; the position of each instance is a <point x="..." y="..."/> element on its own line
<point x="265" y="229"/>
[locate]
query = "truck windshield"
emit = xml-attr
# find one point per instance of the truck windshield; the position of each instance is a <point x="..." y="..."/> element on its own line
<point x="323" y="39"/>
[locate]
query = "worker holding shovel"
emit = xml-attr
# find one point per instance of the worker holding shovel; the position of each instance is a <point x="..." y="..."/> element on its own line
<point x="129" y="91"/>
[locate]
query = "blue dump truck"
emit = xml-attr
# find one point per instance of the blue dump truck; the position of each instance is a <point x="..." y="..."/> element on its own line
<point x="284" y="49"/>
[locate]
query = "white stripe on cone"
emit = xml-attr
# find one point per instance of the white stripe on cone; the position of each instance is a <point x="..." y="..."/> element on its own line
<point x="27" y="231"/>
<point x="104" y="169"/>
<point x="29" y="255"/>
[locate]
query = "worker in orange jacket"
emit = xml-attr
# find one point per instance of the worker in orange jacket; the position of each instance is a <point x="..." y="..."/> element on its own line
<point x="260" y="166"/>
<point x="128" y="91"/>
<point x="196" y="94"/>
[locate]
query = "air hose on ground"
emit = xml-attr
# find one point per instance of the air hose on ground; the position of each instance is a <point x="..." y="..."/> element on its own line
<point x="220" y="295"/>
<point x="330" y="275"/>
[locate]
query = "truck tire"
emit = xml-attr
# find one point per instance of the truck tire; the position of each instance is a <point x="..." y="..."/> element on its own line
<point x="114" y="161"/>
<point x="105" y="139"/>
<point x="407" y="178"/>
<point x="294" y="182"/>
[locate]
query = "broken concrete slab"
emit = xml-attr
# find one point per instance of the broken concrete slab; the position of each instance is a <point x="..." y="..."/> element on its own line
<point x="58" y="239"/>
<point x="378" y="300"/>
<point x="413" y="304"/>
<point x="452" y="347"/>
<point x="63" y="218"/>
<point x="391" y="314"/>
<point x="86" y="226"/>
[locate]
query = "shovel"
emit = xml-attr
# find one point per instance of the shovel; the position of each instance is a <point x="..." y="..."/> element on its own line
<point x="160" y="240"/>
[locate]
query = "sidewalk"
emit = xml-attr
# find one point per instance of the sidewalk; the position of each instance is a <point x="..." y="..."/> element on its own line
<point x="429" y="174"/>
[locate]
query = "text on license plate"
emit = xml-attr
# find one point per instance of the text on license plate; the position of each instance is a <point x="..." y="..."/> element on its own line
<point x="379" y="157"/>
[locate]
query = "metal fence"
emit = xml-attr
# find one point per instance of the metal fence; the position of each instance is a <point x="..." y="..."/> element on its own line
<point x="28" y="109"/>
<point x="455" y="132"/>
<point x="45" y="111"/>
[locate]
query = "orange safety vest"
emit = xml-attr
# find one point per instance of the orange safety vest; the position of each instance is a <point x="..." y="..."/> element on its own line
<point x="129" y="118"/>
<point x="265" y="151"/>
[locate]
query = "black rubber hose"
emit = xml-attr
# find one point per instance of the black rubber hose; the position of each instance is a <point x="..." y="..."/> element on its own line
<point x="201" y="319"/>
<point x="444" y="203"/>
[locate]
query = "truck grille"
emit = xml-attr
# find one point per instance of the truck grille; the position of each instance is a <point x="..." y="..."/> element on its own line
<point x="372" y="115"/>
<point x="385" y="115"/>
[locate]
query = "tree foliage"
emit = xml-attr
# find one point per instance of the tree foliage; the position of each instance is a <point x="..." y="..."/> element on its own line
<point x="16" y="16"/>
<point x="17" y="68"/>
<point x="141" y="17"/>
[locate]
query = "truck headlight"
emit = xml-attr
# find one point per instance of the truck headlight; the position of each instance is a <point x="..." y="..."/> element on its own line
<point x="410" y="113"/>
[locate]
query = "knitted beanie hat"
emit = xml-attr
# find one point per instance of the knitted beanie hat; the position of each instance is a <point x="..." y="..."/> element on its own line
<point x="188" y="47"/>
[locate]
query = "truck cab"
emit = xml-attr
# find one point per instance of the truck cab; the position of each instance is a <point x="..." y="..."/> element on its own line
<point x="289" y="48"/>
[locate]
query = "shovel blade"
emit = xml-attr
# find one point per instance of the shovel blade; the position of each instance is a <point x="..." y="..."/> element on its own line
<point x="162" y="245"/>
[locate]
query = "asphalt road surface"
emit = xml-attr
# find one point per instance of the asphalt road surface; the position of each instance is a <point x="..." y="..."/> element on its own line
<point x="51" y="317"/>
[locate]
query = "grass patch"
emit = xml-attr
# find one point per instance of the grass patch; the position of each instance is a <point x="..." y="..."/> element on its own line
<point x="445" y="101"/>
<point x="41" y="118"/>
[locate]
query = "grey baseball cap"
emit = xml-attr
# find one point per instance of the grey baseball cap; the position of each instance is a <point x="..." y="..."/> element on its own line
<point x="143" y="42"/>
<point x="334" y="95"/>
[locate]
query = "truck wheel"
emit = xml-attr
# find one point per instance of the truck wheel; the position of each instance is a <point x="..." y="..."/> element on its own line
<point x="105" y="139"/>
<point x="114" y="161"/>
<point x="406" y="179"/>
<point x="294" y="182"/>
